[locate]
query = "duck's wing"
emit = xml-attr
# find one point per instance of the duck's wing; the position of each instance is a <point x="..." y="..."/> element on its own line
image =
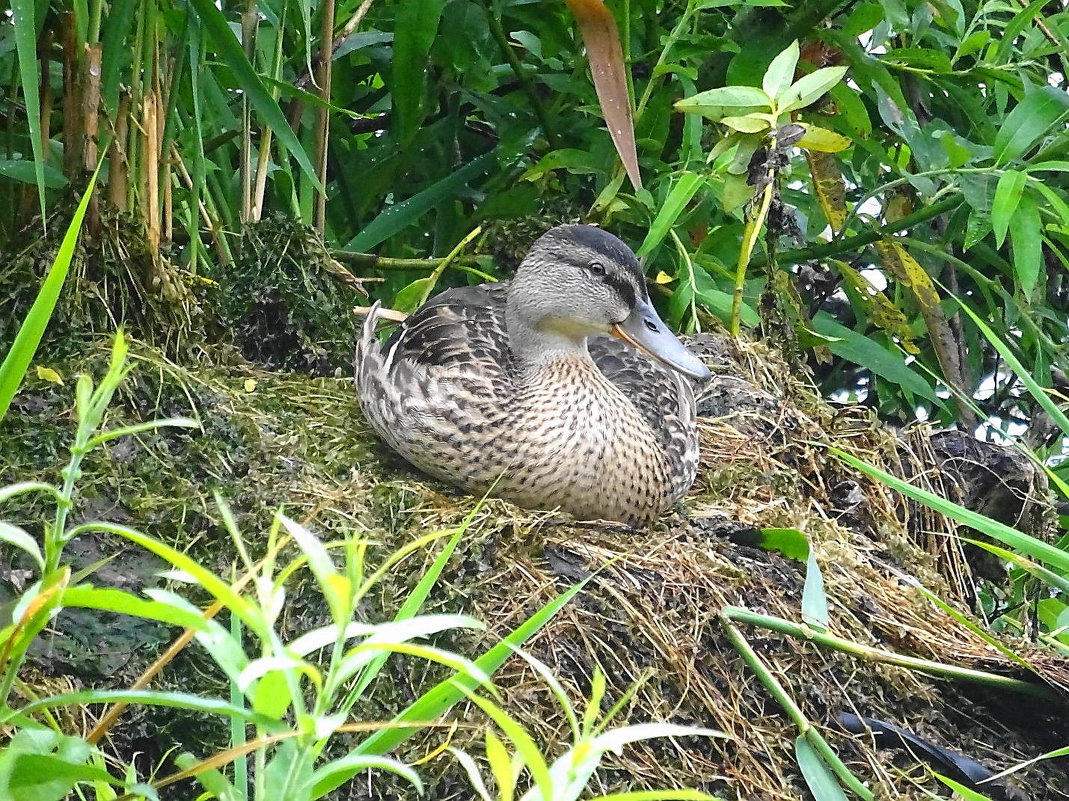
<point x="663" y="397"/>
<point x="445" y="371"/>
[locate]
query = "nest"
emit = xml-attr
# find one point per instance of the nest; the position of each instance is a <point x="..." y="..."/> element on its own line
<point x="651" y="608"/>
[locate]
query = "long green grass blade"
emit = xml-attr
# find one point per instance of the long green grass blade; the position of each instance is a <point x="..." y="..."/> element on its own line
<point x="408" y="211"/>
<point x="445" y="694"/>
<point x="1037" y="392"/>
<point x="18" y="359"/>
<point x="231" y="51"/>
<point x="194" y="703"/>
<point x="1030" y="546"/>
<point x="24" y="17"/>
<point x="417" y="24"/>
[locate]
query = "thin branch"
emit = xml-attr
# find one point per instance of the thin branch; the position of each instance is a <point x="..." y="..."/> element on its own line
<point x="858" y="241"/>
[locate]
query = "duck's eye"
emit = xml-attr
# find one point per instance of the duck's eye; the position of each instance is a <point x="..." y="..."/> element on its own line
<point x="596" y="267"/>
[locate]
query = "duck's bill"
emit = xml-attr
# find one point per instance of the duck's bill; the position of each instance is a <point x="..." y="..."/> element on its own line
<point x="645" y="330"/>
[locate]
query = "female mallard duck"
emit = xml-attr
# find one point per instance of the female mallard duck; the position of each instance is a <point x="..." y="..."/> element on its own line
<point x="514" y="383"/>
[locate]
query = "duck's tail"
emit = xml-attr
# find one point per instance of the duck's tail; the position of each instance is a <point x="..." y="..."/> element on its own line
<point x="367" y="356"/>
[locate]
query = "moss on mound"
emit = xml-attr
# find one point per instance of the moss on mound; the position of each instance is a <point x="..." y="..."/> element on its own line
<point x="652" y="606"/>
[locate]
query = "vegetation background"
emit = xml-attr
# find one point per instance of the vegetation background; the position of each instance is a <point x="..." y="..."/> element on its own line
<point x="419" y="121"/>
<point x="262" y="167"/>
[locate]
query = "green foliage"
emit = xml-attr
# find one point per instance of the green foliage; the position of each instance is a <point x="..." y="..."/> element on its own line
<point x="442" y="115"/>
<point x="566" y="778"/>
<point x="297" y="693"/>
<point x="17" y="359"/>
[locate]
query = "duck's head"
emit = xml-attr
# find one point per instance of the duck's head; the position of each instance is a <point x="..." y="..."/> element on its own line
<point x="578" y="280"/>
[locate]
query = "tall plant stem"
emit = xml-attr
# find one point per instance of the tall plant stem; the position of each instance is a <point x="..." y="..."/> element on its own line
<point x="749" y="239"/>
<point x="794" y="712"/>
<point x="323" y="78"/>
<point x="735" y="614"/>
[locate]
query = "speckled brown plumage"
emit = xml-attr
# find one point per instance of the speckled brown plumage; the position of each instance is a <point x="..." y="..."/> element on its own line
<point x="600" y="432"/>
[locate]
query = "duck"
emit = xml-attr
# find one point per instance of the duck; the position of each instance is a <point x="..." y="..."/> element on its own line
<point x="560" y="389"/>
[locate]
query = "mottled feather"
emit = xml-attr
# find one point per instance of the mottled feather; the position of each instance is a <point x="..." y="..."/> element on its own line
<point x="610" y="436"/>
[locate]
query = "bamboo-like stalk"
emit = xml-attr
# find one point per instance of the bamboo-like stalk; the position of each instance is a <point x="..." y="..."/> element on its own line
<point x="72" y="107"/>
<point x="249" y="22"/>
<point x="91" y="86"/>
<point x="941" y="670"/>
<point x="260" y="189"/>
<point x="211" y="223"/>
<point x="323" y="79"/>
<point x="150" y="174"/>
<point x="47" y="96"/>
<point x="794" y="712"/>
<point x="118" y="162"/>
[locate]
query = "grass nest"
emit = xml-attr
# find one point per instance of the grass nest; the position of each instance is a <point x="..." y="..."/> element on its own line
<point x="652" y="606"/>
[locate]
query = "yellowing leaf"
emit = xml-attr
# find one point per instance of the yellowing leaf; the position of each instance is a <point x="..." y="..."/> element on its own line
<point x="899" y="206"/>
<point x="829" y="186"/>
<point x="250" y="384"/>
<point x="747" y="124"/>
<point x="49" y="375"/>
<point x="881" y="311"/>
<point x="823" y="140"/>
<point x="663" y="278"/>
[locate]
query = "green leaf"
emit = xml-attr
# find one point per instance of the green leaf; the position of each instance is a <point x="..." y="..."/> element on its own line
<point x="24" y="18"/>
<point x="657" y="795"/>
<point x="814" y="598"/>
<point x="187" y="701"/>
<point x="966" y="793"/>
<point x="410" y="297"/>
<point x="578" y="162"/>
<point x="13" y="535"/>
<point x="405" y="213"/>
<point x="1042" y="551"/>
<point x="1025" y="236"/>
<point x="334" y="774"/>
<point x="444" y="695"/>
<point x="751" y="123"/>
<point x="1041" y="396"/>
<point x="809" y="88"/>
<point x="818" y="776"/>
<point x="42" y="776"/>
<point x="791" y="542"/>
<point x="138" y="428"/>
<point x="12" y="490"/>
<point x="210" y="779"/>
<point x="867" y="353"/>
<point x="725" y="101"/>
<point x="124" y="603"/>
<point x="27" y="339"/>
<point x="322" y="567"/>
<point x="1004" y="205"/>
<point x="414" y="32"/>
<point x="500" y="766"/>
<point x="822" y="140"/>
<point x="680" y="195"/>
<point x="233" y="54"/>
<point x="1032" y="118"/>
<point x="211" y="583"/>
<point x="780" y="73"/>
<point x="27" y="172"/>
